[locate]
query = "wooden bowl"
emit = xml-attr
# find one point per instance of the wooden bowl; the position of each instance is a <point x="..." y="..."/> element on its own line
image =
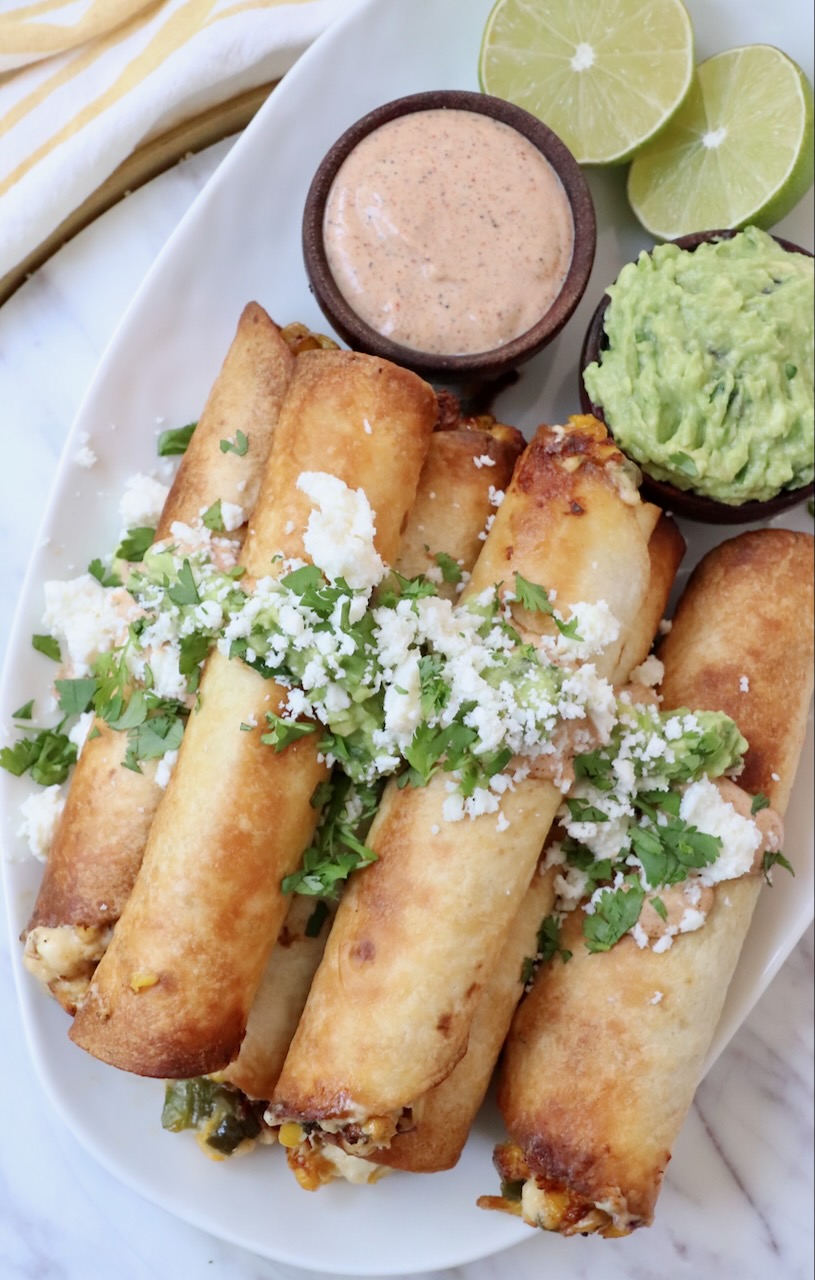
<point x="685" y="502"/>
<point x="479" y="366"/>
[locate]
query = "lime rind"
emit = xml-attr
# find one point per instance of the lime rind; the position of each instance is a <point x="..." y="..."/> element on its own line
<point x="642" y="69"/>
<point x="677" y="184"/>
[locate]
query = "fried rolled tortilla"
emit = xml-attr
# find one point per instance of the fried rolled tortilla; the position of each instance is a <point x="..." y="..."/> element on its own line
<point x="100" y="839"/>
<point x="172" y="995"/>
<point x="418" y="933"/>
<point x="453" y="503"/>
<point x="450" y="1109"/>
<point x="606" y="1051"/>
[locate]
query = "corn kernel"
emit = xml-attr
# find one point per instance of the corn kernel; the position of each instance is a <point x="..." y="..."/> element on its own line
<point x="290" y="1134"/>
<point x="143" y="979"/>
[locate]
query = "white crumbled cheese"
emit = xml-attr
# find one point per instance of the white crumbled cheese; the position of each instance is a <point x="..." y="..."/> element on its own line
<point x="569" y="886"/>
<point x="86" y="618"/>
<point x="142" y="502"/>
<point x="164" y="769"/>
<point x="484" y="461"/>
<point x="435" y="829"/>
<point x="744" y="684"/>
<point x="403" y="710"/>
<point x="366" y="427"/>
<point x="650" y="672"/>
<point x="496" y="496"/>
<point x="340" y="532"/>
<point x="702" y="807"/>
<point x="85" y="457"/>
<point x="691" y="920"/>
<point x="168" y="681"/>
<point x="639" y="935"/>
<point x="665" y="942"/>
<point x="502" y="823"/>
<point x="232" y="516"/>
<point x="289" y="528"/>
<point x="656" y="997"/>
<point x="78" y="735"/>
<point x="41" y="812"/>
<point x="665" y="627"/>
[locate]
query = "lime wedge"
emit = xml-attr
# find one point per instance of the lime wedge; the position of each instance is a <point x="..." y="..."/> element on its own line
<point x="738" y="151"/>
<point x="605" y="77"/>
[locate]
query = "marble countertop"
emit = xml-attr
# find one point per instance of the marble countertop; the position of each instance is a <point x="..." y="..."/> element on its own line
<point x="738" y="1196"/>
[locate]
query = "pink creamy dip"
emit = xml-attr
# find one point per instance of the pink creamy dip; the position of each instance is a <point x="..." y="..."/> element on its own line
<point x="448" y="232"/>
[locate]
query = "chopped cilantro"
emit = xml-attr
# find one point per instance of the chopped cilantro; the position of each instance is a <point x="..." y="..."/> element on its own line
<point x="772" y="858"/>
<point x="549" y="941"/>
<point x="616" y="911"/>
<point x="47" y="645"/>
<point x="659" y="907"/>
<point x="76" y="696"/>
<point x="47" y="755"/>
<point x="155" y="735"/>
<point x="104" y="576"/>
<point x="536" y="599"/>
<point x="579" y="811"/>
<point x="239" y="445"/>
<point x="135" y="543"/>
<point x="213" y="518"/>
<point x="451" y="570"/>
<point x="24" y="712"/>
<point x="338" y="847"/>
<point x="527" y="970"/>
<point x="175" y="441"/>
<point x="760" y="802"/>
<point x="283" y="732"/>
<point x="667" y="851"/>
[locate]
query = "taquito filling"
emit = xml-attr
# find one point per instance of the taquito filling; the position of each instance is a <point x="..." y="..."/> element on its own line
<point x="225" y="1122"/>
<point x="553" y="1205"/>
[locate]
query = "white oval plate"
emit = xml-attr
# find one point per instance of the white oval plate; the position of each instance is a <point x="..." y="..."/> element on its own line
<point x="241" y="240"/>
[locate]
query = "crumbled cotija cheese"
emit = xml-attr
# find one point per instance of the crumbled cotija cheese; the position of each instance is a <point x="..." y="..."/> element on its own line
<point x="340" y="532"/>
<point x="142" y="502"/>
<point x="41" y="812"/>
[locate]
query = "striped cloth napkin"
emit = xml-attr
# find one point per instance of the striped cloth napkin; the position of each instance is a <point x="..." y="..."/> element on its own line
<point x="84" y="82"/>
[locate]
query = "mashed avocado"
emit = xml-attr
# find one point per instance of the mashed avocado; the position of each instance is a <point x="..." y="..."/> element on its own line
<point x="707" y="380"/>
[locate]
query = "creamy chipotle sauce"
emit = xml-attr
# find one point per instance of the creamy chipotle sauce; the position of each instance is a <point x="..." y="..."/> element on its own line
<point x="448" y="232"/>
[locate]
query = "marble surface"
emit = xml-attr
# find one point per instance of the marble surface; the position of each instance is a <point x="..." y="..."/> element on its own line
<point x="738" y="1196"/>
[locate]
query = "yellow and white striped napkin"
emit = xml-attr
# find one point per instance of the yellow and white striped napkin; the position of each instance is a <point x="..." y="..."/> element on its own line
<point x="84" y="82"/>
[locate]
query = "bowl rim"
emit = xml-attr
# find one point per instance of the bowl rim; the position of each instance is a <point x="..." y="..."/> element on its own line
<point x="685" y="502"/>
<point x="497" y="360"/>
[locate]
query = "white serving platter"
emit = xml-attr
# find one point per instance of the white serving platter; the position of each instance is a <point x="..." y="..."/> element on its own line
<point x="241" y="240"/>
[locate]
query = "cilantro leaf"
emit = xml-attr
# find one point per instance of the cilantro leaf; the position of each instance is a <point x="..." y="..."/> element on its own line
<point x="135" y="543"/>
<point x="616" y="911"/>
<point x="194" y="649"/>
<point x="47" y="645"/>
<point x="536" y="599"/>
<point x="549" y="941"/>
<point x="104" y="576"/>
<point x="579" y="811"/>
<point x="283" y="732"/>
<point x="154" y="736"/>
<point x="175" y="440"/>
<point x="134" y="714"/>
<point x="47" y="755"/>
<point x="760" y="802"/>
<point x="659" y="907"/>
<point x="527" y="970"/>
<point x="338" y="847"/>
<point x="24" y="712"/>
<point x="185" y="590"/>
<point x="451" y="570"/>
<point x="772" y="858"/>
<point x="76" y="696"/>
<point x="213" y="518"/>
<point x="239" y="445"/>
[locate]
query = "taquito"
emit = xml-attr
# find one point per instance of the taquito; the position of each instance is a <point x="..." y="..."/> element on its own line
<point x="99" y="841"/>
<point x="418" y="933"/>
<point x="450" y="1109"/>
<point x="606" y="1051"/>
<point x="453" y="504"/>
<point x="172" y="995"/>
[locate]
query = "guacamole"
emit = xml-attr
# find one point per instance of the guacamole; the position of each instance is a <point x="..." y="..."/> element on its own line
<point x="707" y="380"/>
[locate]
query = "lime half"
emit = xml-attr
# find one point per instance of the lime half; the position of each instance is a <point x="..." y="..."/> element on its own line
<point x="738" y="151"/>
<point x="605" y="76"/>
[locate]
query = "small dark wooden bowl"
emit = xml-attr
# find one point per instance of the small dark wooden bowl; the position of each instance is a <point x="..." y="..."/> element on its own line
<point x="478" y="366"/>
<point x="685" y="502"/>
